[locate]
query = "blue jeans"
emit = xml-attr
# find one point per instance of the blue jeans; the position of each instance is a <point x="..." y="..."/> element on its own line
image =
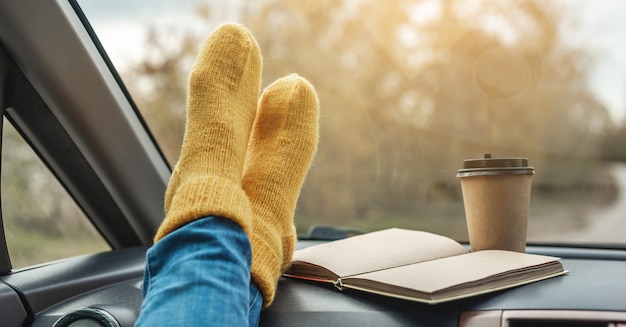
<point x="199" y="275"/>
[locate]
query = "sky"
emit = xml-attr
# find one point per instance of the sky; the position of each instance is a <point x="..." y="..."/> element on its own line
<point x="604" y="27"/>
<point x="120" y="25"/>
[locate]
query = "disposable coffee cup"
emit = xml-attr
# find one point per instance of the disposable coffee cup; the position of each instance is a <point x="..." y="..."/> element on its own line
<point x="496" y="196"/>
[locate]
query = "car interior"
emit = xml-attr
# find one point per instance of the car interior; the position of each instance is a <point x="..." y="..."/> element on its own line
<point x="64" y="96"/>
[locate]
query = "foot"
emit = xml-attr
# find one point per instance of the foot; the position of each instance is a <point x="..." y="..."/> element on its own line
<point x="281" y="148"/>
<point x="221" y="107"/>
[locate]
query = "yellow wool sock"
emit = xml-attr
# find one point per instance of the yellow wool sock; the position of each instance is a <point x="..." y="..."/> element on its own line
<point x="223" y="91"/>
<point x="282" y="145"/>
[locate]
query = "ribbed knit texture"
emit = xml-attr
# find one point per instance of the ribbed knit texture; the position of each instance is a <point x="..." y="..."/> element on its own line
<point x="221" y="106"/>
<point x="240" y="162"/>
<point x="282" y="145"/>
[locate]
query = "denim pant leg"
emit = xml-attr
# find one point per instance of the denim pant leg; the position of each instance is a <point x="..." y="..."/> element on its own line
<point x="199" y="275"/>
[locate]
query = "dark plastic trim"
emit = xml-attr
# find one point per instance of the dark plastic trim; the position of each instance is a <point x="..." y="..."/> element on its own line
<point x="5" y="260"/>
<point x="47" y="285"/>
<point x="12" y="310"/>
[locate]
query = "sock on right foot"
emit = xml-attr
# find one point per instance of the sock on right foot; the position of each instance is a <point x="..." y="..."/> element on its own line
<point x="281" y="148"/>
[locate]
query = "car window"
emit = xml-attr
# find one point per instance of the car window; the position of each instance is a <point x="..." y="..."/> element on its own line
<point x="41" y="221"/>
<point x="408" y="90"/>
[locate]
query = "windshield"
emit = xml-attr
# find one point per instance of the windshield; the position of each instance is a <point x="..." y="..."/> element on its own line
<point x="408" y="90"/>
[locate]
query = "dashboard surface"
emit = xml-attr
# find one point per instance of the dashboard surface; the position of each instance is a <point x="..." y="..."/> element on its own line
<point x="594" y="287"/>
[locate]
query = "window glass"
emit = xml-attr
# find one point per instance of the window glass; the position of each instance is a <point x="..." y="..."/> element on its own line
<point x="408" y="90"/>
<point x="41" y="221"/>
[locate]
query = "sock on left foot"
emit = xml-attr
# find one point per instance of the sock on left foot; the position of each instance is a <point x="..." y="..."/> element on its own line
<point x="221" y="106"/>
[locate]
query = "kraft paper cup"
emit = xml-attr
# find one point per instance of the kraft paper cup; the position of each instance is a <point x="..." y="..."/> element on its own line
<point x="496" y="196"/>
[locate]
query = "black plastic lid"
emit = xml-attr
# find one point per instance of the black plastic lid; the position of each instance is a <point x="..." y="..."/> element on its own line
<point x="495" y="166"/>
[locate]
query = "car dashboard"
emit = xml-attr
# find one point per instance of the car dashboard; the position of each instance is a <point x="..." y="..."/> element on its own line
<point x="106" y="288"/>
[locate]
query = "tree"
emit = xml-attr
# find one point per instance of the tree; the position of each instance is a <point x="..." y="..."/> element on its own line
<point x="409" y="89"/>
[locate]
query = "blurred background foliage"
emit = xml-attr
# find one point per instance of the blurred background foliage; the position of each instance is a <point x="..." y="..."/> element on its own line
<point x="408" y="90"/>
<point x="406" y="97"/>
<point x="41" y="221"/>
